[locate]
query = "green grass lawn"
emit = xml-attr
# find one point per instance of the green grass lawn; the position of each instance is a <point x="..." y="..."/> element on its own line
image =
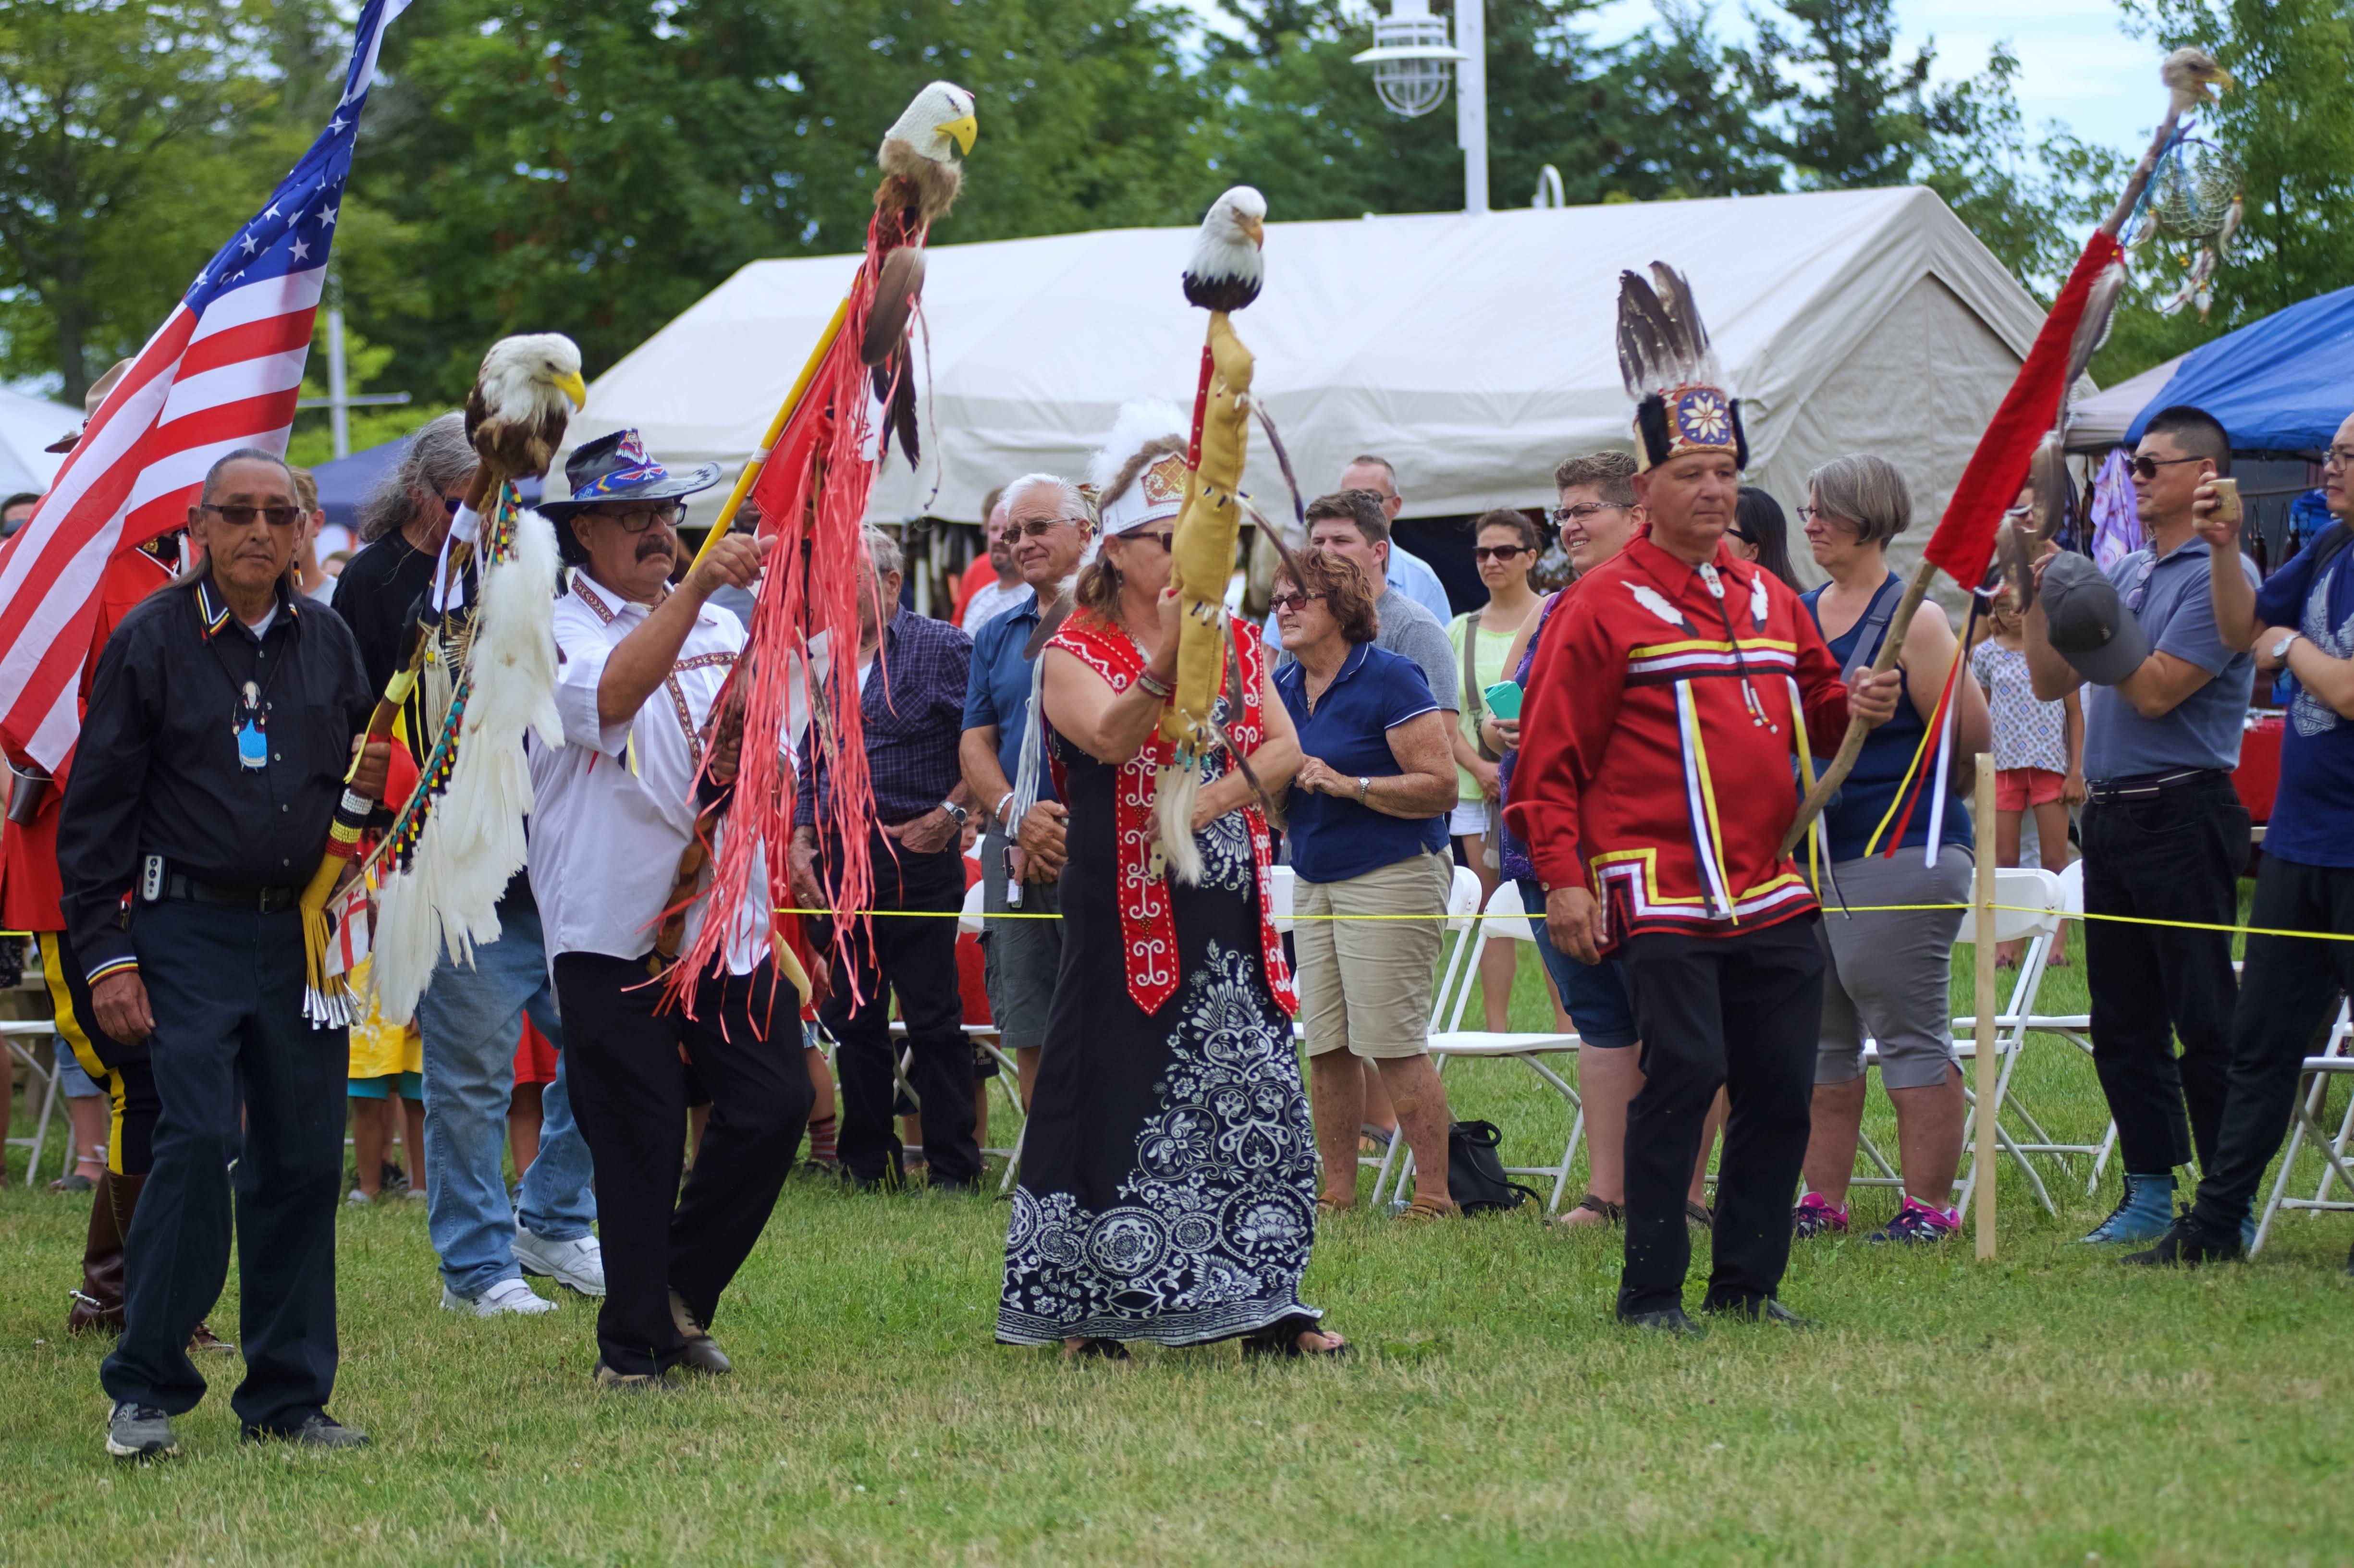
<point x="2051" y="1407"/>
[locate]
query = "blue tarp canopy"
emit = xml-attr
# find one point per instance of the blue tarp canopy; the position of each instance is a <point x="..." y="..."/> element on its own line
<point x="2283" y="384"/>
<point x="345" y="483"/>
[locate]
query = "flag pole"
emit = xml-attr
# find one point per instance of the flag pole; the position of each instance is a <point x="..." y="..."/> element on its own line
<point x="1988" y="1069"/>
<point x="745" y="481"/>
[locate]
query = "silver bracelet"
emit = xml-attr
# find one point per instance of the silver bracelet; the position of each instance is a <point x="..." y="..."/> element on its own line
<point x="1144" y="678"/>
<point x="998" y="811"/>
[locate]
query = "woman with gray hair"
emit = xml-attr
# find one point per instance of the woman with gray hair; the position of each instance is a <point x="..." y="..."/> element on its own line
<point x="403" y="521"/>
<point x="1887" y="974"/>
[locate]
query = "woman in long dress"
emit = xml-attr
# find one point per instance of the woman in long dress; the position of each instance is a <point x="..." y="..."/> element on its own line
<point x="1167" y="1184"/>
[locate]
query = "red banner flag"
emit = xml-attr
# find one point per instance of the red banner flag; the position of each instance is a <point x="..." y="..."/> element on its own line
<point x="1963" y="542"/>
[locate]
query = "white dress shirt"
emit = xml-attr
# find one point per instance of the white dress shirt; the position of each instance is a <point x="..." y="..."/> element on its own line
<point x="615" y="805"/>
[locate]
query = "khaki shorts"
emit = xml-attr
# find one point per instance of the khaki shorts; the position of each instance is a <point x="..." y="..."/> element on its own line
<point x="1364" y="985"/>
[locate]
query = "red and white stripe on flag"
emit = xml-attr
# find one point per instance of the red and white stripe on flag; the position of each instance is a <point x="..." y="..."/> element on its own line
<point x="349" y="912"/>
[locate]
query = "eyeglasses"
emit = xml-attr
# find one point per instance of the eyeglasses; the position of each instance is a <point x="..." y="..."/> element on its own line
<point x="1284" y="601"/>
<point x="243" y="517"/>
<point x="1498" y="552"/>
<point x="2338" y="458"/>
<point x="2148" y="467"/>
<point x="1583" y="510"/>
<point x="1039" y="527"/>
<point x="1744" y="535"/>
<point x="637" y="520"/>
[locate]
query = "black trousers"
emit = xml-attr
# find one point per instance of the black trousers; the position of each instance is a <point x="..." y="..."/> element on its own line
<point x="226" y="987"/>
<point x="1743" y="1011"/>
<point x="629" y="1097"/>
<point x="2176" y="856"/>
<point x="916" y="958"/>
<point x="2288" y="992"/>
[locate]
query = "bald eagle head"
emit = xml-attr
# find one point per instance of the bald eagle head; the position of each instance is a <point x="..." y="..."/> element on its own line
<point x="919" y="152"/>
<point x="1224" y="270"/>
<point x="523" y="397"/>
<point x="2192" y="76"/>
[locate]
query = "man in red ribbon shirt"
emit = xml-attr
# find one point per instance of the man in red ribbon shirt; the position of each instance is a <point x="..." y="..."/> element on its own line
<point x="1668" y="704"/>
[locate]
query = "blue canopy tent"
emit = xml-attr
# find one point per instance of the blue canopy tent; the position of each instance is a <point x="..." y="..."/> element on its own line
<point x="347" y="481"/>
<point x="2280" y="384"/>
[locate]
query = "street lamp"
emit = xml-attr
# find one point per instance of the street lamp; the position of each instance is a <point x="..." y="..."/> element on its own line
<point x="1411" y="62"/>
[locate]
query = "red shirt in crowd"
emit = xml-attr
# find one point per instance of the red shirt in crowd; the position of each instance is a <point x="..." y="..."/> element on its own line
<point x="1659" y="739"/>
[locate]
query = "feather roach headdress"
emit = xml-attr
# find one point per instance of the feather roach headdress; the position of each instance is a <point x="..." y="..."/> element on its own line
<point x="1681" y="403"/>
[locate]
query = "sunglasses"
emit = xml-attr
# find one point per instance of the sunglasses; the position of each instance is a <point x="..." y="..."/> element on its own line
<point x="2148" y="467"/>
<point x="1039" y="527"/>
<point x="1284" y="601"/>
<point x="1498" y="552"/>
<point x="638" y="519"/>
<point x="1161" y="539"/>
<point x="243" y="517"/>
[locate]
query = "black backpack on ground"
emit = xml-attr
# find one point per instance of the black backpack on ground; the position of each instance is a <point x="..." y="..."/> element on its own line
<point x="1475" y="1171"/>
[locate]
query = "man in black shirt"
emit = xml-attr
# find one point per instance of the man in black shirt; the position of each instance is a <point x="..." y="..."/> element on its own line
<point x="220" y="730"/>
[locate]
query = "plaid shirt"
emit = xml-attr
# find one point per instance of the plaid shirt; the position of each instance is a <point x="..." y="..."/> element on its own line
<point x="913" y="707"/>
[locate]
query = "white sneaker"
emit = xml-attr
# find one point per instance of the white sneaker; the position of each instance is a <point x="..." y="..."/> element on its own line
<point x="507" y="1296"/>
<point x="578" y="1263"/>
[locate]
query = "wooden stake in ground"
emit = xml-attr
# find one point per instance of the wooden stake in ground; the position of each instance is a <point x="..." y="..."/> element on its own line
<point x="1982" y="936"/>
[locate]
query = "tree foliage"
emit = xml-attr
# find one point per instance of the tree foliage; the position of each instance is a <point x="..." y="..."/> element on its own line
<point x="596" y="166"/>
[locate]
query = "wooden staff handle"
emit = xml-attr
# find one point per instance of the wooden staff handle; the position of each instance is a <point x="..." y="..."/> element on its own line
<point x="760" y="458"/>
<point x="1851" y="744"/>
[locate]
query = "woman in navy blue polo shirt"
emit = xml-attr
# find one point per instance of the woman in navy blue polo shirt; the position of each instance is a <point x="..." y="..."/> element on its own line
<point x="1368" y="836"/>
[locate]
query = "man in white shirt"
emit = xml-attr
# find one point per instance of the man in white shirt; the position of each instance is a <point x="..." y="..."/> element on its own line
<point x="641" y="672"/>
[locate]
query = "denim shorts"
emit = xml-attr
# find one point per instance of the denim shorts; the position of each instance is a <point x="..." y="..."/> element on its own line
<point x="1594" y="996"/>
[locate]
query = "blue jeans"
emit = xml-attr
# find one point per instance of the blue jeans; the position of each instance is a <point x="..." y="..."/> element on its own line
<point x="472" y="1019"/>
<point x="1595" y="996"/>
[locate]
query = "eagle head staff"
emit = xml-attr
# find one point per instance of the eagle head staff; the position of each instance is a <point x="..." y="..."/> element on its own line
<point x="522" y="398"/>
<point x="2191" y="78"/>
<point x="919" y="153"/>
<point x="1226" y="268"/>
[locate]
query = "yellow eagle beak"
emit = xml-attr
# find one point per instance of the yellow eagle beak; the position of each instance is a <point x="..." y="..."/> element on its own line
<point x="964" y="129"/>
<point x="572" y="386"/>
<point x="1252" y="227"/>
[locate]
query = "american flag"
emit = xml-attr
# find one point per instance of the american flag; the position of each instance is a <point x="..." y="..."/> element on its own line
<point x="222" y="372"/>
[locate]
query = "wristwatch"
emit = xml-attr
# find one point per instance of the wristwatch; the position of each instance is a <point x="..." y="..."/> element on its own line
<point x="2280" y="649"/>
<point x="1364" y="784"/>
<point x="957" y="813"/>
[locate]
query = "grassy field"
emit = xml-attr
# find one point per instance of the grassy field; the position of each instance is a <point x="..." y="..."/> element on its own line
<point x="2050" y="1407"/>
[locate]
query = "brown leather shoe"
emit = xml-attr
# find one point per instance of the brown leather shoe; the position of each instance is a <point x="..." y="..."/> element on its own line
<point x="703" y="1353"/>
<point x="205" y="1341"/>
<point x="98" y="1304"/>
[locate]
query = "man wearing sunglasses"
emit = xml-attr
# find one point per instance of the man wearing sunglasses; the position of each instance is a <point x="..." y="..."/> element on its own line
<point x="221" y="724"/>
<point x="2301" y="624"/>
<point x="2164" y="833"/>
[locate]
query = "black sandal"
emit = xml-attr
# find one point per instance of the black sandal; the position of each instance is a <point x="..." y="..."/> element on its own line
<point x="1280" y="1339"/>
<point x="1612" y="1213"/>
<point x="1097" y="1350"/>
<point x="1700" y="1215"/>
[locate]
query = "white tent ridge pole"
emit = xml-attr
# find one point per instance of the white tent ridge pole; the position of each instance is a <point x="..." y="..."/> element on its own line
<point x="1471" y="100"/>
<point x="339" y="408"/>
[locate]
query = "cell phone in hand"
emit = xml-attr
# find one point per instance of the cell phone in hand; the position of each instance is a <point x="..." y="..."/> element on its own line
<point x="1504" y="700"/>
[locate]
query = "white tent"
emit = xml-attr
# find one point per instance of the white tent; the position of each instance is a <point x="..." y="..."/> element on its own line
<point x="27" y="424"/>
<point x="1474" y="352"/>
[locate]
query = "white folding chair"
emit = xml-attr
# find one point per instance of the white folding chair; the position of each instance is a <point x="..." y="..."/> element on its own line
<point x="2313" y="1094"/>
<point x="2077" y="1028"/>
<point x="2029" y="905"/>
<point x="1506" y="917"/>
<point x="23" y="1038"/>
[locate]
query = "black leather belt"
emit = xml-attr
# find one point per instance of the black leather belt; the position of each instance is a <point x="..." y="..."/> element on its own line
<point x="2143" y="786"/>
<point x="261" y="900"/>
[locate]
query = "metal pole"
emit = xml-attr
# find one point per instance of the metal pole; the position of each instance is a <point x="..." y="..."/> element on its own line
<point x="339" y="408"/>
<point x="1471" y="100"/>
<point x="1989" y="1071"/>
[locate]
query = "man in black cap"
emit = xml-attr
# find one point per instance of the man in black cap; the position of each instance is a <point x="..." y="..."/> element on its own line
<point x="220" y="727"/>
<point x="2301" y="627"/>
<point x="2165" y="835"/>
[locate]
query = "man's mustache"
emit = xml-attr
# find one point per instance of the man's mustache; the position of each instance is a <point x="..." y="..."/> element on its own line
<point x="651" y="546"/>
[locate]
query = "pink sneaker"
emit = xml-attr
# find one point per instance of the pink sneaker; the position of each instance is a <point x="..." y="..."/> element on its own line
<point x="1814" y="1217"/>
<point x="1917" y="1221"/>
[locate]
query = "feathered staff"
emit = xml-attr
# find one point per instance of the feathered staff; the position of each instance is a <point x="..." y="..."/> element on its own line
<point x="2027" y="432"/>
<point x="811" y="480"/>
<point x="459" y="838"/>
<point x="1222" y="275"/>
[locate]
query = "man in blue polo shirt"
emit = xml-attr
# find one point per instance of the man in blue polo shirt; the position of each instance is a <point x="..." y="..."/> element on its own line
<point x="1048" y="526"/>
<point x="2165" y="835"/>
<point x="2301" y="622"/>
